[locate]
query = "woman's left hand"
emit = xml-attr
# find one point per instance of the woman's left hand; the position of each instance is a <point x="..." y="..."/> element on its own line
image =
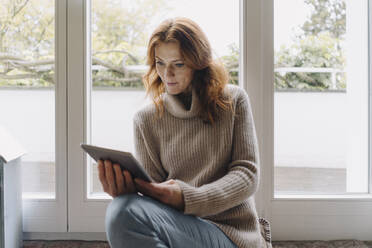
<point x="168" y="192"/>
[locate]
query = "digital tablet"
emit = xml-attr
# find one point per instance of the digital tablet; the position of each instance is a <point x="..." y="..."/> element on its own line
<point x="125" y="159"/>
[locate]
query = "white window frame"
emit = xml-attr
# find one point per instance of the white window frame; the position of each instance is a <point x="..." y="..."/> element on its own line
<point x="40" y="215"/>
<point x="73" y="216"/>
<point x="85" y="215"/>
<point x="296" y="217"/>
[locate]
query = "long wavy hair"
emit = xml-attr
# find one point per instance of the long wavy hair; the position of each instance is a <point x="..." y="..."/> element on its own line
<point x="210" y="77"/>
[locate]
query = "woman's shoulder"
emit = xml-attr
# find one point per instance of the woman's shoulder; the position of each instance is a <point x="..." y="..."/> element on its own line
<point x="236" y="93"/>
<point x="145" y="113"/>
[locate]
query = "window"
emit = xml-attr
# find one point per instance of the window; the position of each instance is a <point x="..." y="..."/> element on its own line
<point x="27" y="89"/>
<point x="296" y="214"/>
<point x="321" y="97"/>
<point x="85" y="87"/>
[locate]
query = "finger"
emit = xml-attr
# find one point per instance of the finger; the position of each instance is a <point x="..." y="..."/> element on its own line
<point x="110" y="178"/>
<point x="129" y="184"/>
<point x="102" y="176"/>
<point x="120" y="183"/>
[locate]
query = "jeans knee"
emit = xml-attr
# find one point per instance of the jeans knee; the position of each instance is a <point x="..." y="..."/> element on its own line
<point x="119" y="213"/>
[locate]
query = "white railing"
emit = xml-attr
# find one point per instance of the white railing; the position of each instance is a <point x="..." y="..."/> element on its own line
<point x="333" y="71"/>
<point x="138" y="69"/>
<point x="281" y="70"/>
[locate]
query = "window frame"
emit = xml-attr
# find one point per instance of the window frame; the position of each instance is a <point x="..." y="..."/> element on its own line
<point x="42" y="215"/>
<point x="294" y="217"/>
<point x="291" y="218"/>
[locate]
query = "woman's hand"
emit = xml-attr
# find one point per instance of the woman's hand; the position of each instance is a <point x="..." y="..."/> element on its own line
<point x="168" y="192"/>
<point x="114" y="181"/>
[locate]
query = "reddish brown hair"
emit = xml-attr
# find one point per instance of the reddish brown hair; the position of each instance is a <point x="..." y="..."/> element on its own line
<point x="210" y="77"/>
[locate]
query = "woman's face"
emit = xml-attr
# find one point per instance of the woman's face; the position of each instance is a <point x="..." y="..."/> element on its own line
<point x="171" y="68"/>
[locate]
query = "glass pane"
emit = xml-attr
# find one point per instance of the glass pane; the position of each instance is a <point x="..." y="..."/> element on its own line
<point x="321" y="97"/>
<point x="27" y="89"/>
<point x="120" y="30"/>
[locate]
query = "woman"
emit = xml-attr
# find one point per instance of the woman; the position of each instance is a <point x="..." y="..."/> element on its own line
<point x="198" y="142"/>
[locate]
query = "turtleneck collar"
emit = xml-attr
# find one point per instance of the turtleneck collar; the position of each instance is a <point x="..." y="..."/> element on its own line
<point x="177" y="108"/>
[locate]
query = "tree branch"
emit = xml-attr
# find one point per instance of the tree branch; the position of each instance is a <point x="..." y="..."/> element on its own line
<point x="109" y="65"/>
<point x="7" y="56"/>
<point x="42" y="34"/>
<point x="122" y="80"/>
<point x="117" y="51"/>
<point x="35" y="63"/>
<point x="16" y="11"/>
<point x="18" y="76"/>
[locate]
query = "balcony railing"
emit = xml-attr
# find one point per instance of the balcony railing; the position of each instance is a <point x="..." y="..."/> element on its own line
<point x="332" y="71"/>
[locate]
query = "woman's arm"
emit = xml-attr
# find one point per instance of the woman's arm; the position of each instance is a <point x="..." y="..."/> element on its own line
<point x="168" y="192"/>
<point x="241" y="180"/>
<point x="145" y="152"/>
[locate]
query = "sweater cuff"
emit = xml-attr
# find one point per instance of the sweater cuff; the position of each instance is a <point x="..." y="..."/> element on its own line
<point x="192" y="199"/>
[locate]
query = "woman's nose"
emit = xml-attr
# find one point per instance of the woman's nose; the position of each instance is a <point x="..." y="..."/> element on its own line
<point x="169" y="72"/>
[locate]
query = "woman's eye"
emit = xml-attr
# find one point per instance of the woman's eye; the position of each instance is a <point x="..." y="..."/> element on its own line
<point x="159" y="63"/>
<point x="180" y="65"/>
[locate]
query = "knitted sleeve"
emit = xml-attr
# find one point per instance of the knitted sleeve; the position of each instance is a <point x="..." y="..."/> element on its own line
<point x="241" y="179"/>
<point x="145" y="151"/>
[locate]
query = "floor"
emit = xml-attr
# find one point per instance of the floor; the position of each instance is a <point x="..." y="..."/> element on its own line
<point x="281" y="244"/>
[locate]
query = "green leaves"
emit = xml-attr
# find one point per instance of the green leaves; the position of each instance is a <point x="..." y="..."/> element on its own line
<point x="320" y="46"/>
<point x="327" y="16"/>
<point x="120" y="29"/>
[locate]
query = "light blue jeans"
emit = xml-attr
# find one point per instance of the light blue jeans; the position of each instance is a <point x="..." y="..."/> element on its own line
<point x="139" y="221"/>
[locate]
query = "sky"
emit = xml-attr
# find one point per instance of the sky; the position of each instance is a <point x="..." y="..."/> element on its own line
<point x="221" y="23"/>
<point x="219" y="19"/>
<point x="288" y="15"/>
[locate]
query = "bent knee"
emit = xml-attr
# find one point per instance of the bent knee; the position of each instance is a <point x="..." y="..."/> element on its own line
<point x="120" y="212"/>
<point x="122" y="202"/>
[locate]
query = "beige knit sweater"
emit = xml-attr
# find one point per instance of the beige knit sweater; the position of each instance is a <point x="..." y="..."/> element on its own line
<point x="216" y="166"/>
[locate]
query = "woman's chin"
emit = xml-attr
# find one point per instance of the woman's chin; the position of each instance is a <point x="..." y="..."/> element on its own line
<point x="173" y="91"/>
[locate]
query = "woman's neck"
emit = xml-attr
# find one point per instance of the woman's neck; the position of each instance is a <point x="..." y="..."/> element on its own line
<point x="184" y="105"/>
<point x="186" y="99"/>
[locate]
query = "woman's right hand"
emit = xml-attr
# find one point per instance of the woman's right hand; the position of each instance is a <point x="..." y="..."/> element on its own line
<point x="114" y="181"/>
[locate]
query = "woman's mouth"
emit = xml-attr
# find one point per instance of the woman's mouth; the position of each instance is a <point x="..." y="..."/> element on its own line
<point x="171" y="84"/>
